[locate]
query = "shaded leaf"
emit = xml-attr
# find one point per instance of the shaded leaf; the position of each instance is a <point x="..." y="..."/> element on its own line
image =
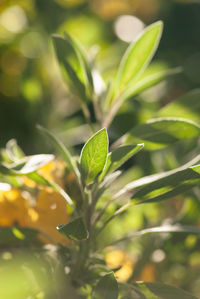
<point x="74" y="230"/>
<point x="107" y="287"/>
<point x="162" y="291"/>
<point x="160" y="132"/>
<point x="138" y="55"/>
<point x="93" y="156"/>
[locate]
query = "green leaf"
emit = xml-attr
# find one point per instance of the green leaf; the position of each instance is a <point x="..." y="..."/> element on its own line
<point x="74" y="230"/>
<point x="152" y="179"/>
<point x="147" y="82"/>
<point x="187" y="106"/>
<point x="162" y="291"/>
<point x="107" y="287"/>
<point x="36" y="177"/>
<point x="83" y="62"/>
<point x="26" y="165"/>
<point x="138" y="56"/>
<point x="187" y="229"/>
<point x="71" y="66"/>
<point x="160" y="132"/>
<point x="169" y="186"/>
<point x="93" y="156"/>
<point x="119" y="156"/>
<point x="63" y="150"/>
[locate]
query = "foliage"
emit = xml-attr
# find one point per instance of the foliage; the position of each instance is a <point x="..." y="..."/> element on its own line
<point x="94" y="204"/>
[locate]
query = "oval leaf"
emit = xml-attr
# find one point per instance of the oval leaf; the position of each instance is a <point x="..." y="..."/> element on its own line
<point x="75" y="230"/>
<point x="138" y="55"/>
<point x="93" y="156"/>
<point x="107" y="287"/>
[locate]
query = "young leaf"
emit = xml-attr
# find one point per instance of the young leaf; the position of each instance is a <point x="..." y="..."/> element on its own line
<point x="63" y="150"/>
<point x="119" y="156"/>
<point x="162" y="291"/>
<point x="107" y="287"/>
<point x="70" y="65"/>
<point x="147" y="82"/>
<point x="138" y="56"/>
<point x="93" y="156"/>
<point x="74" y="230"/>
<point x="160" y="132"/>
<point x="83" y="62"/>
<point x="13" y="150"/>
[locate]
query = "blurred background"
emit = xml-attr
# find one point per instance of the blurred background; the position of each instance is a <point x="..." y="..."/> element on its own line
<point x="32" y="91"/>
<point x="31" y="88"/>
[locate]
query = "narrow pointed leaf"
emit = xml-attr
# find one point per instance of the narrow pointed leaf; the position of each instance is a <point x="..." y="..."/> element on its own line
<point x="138" y="55"/>
<point x="119" y="156"/>
<point x="160" y="132"/>
<point x="159" y="290"/>
<point x="83" y="62"/>
<point x="148" y="180"/>
<point x="63" y="151"/>
<point x="36" y="177"/>
<point x="147" y="82"/>
<point x="169" y="186"/>
<point x="93" y="156"/>
<point x="176" y="228"/>
<point x="74" y="230"/>
<point x="70" y="66"/>
<point x="107" y="287"/>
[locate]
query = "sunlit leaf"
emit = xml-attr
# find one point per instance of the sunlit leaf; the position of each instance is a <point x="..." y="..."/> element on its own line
<point x="14" y="151"/>
<point x="4" y="187"/>
<point x="93" y="156"/>
<point x="119" y="156"/>
<point x="160" y="132"/>
<point x="26" y="165"/>
<point x="74" y="230"/>
<point x="152" y="179"/>
<point x="169" y="186"/>
<point x="107" y="287"/>
<point x="138" y="55"/>
<point x="146" y="82"/>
